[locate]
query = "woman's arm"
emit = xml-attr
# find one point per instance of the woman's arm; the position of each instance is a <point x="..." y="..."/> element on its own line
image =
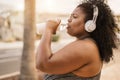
<point x="69" y="58"/>
<point x="44" y="49"/>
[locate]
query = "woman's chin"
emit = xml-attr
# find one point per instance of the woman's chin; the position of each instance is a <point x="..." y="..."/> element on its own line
<point x="70" y="33"/>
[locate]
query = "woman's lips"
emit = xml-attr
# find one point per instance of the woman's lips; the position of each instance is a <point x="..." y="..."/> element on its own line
<point x="68" y="27"/>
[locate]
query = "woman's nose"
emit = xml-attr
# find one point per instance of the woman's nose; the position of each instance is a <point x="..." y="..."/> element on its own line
<point x="69" y="20"/>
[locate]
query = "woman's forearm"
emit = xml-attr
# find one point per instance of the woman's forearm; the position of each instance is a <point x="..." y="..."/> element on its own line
<point x="44" y="49"/>
<point x="44" y="52"/>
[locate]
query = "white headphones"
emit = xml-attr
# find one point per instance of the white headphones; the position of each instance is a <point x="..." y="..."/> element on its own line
<point x="90" y="25"/>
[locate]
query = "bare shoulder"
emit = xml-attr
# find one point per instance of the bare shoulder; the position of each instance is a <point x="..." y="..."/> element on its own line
<point x="83" y="47"/>
<point x="80" y="49"/>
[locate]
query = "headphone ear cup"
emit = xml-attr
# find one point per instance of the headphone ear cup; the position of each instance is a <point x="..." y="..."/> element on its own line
<point x="90" y="26"/>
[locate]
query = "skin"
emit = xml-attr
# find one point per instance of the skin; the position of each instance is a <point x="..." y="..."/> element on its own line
<point x="80" y="57"/>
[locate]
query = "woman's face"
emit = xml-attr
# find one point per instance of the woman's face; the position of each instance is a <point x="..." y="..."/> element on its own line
<point x="76" y="23"/>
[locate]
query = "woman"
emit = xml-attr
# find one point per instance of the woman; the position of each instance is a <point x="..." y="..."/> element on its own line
<point x="93" y="25"/>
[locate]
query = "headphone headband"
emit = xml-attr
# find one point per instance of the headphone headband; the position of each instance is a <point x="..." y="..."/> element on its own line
<point x="95" y="13"/>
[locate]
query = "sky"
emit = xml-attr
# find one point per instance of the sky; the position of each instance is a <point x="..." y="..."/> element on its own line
<point x="57" y="6"/>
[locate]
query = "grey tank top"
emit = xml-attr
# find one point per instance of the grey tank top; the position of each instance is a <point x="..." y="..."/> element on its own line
<point x="69" y="76"/>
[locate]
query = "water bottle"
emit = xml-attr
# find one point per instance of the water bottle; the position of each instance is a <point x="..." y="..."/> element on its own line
<point x="41" y="27"/>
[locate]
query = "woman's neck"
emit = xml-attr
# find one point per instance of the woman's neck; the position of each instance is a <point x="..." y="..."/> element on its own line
<point x="83" y="37"/>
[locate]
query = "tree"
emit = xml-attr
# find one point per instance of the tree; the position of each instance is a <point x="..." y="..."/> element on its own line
<point x="27" y="71"/>
<point x="106" y="1"/>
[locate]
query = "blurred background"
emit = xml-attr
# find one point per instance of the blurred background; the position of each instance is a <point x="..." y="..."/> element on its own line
<point x="12" y="15"/>
<point x="11" y="32"/>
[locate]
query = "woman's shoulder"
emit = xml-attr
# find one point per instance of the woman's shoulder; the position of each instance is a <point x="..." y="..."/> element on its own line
<point x="87" y="44"/>
<point x="80" y="49"/>
<point x="83" y="47"/>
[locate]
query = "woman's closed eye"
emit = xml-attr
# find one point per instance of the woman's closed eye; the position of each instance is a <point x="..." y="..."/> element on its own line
<point x="73" y="16"/>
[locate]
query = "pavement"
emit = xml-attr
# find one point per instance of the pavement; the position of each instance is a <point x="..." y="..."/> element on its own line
<point x="110" y="71"/>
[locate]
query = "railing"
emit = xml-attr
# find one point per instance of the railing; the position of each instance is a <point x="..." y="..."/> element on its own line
<point x="12" y="76"/>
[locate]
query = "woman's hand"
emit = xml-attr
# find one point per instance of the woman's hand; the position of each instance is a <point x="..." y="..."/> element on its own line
<point x="52" y="25"/>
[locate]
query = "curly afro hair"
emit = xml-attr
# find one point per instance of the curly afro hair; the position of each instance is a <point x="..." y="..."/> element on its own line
<point x="105" y="32"/>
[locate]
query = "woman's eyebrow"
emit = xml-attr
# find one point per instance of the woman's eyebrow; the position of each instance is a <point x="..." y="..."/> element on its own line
<point x="74" y="14"/>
